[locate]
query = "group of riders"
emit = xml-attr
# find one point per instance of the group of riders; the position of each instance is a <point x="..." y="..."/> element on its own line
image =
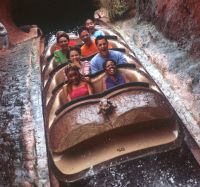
<point x="95" y="44"/>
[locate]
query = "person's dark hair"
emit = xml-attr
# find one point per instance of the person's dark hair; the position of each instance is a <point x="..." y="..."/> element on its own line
<point x="59" y="33"/>
<point x="71" y="67"/>
<point x="104" y="64"/>
<point x="75" y="48"/>
<point x="89" y="19"/>
<point x="81" y="29"/>
<point x="100" y="38"/>
<point x="62" y="35"/>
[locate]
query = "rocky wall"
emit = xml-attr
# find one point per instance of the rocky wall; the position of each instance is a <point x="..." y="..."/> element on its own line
<point x="15" y="34"/>
<point x="167" y="33"/>
<point x="178" y="19"/>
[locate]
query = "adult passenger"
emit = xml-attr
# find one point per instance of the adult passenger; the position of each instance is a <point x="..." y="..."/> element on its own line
<point x="90" y="25"/>
<point x="62" y="55"/>
<point x="57" y="46"/>
<point x="77" y="85"/>
<point x="113" y="76"/>
<point x="89" y="47"/>
<point x="75" y="58"/>
<point x="105" y="54"/>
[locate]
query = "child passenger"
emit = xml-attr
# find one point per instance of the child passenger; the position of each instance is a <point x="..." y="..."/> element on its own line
<point x="90" y="26"/>
<point x="77" y="85"/>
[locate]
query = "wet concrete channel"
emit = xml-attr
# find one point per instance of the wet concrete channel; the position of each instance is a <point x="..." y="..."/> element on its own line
<point x="22" y="143"/>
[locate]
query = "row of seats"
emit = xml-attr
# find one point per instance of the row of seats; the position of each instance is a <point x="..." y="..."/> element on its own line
<point x="58" y="98"/>
<point x="50" y="63"/>
<point x="57" y="77"/>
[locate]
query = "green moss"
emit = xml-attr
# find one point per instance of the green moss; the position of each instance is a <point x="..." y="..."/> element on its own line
<point x="116" y="8"/>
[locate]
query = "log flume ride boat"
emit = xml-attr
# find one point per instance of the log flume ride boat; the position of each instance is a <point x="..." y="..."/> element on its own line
<point x="80" y="137"/>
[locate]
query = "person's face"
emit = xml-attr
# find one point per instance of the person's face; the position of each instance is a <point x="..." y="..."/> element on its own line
<point x="74" y="56"/>
<point x="63" y="42"/>
<point x="102" y="46"/>
<point x="73" y="77"/>
<point x="85" y="36"/>
<point x="110" y="68"/>
<point x="89" y="24"/>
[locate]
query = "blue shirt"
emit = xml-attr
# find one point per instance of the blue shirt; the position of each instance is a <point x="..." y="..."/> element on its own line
<point x="111" y="83"/>
<point x="97" y="33"/>
<point x="98" y="61"/>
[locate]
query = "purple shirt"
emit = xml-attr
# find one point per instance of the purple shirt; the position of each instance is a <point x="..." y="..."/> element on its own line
<point x="111" y="83"/>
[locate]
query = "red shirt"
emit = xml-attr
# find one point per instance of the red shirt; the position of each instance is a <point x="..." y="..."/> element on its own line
<point x="72" y="43"/>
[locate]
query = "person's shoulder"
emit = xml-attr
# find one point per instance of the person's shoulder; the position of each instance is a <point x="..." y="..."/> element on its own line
<point x="112" y="52"/>
<point x="83" y="46"/>
<point x="100" y="32"/>
<point x="56" y="52"/>
<point x="95" y="57"/>
<point x="93" y="41"/>
<point x="54" y="47"/>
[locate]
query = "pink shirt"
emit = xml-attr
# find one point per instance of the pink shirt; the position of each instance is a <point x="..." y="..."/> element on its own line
<point x="85" y="67"/>
<point x="79" y="92"/>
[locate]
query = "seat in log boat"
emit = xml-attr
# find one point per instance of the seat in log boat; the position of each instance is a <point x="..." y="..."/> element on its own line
<point x="57" y="76"/>
<point x="58" y="98"/>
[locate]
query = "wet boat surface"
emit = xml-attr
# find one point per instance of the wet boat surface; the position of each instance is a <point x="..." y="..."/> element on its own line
<point x="174" y="168"/>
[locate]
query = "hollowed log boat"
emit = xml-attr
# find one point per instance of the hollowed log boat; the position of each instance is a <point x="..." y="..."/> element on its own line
<point x="109" y="127"/>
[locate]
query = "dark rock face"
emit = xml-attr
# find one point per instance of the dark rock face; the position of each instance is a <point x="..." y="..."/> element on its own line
<point x="4" y="43"/>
